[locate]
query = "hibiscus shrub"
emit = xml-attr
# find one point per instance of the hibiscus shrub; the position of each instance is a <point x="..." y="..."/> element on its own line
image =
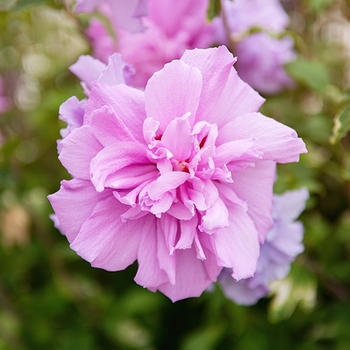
<point x="197" y="148"/>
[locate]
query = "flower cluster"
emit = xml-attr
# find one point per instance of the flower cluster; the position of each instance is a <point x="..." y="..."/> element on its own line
<point x="255" y="28"/>
<point x="178" y="176"/>
<point x="172" y="26"/>
<point x="282" y="244"/>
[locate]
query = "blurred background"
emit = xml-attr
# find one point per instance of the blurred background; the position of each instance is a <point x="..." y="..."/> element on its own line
<point x="52" y="299"/>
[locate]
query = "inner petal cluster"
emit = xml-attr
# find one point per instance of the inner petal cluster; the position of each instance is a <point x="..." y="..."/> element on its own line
<point x="184" y="183"/>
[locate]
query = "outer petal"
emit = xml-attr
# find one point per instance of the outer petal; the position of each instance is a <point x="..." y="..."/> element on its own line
<point x="108" y="128"/>
<point x="191" y="276"/>
<point x="116" y="72"/>
<point x="240" y="292"/>
<point x="107" y="242"/>
<point x="87" y="69"/>
<point x="72" y="112"/>
<point x="149" y="274"/>
<point x="237" y="246"/>
<point x="77" y="151"/>
<point x="73" y="205"/>
<point x="224" y="95"/>
<point x="276" y="141"/>
<point x="290" y="204"/>
<point x="255" y="186"/>
<point x="172" y="92"/>
<point x="127" y="104"/>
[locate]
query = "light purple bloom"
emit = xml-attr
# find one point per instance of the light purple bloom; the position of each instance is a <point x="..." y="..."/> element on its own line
<point x="282" y="244"/>
<point x="261" y="56"/>
<point x="126" y="14"/>
<point x="242" y="15"/>
<point x="178" y="177"/>
<point x="262" y="59"/>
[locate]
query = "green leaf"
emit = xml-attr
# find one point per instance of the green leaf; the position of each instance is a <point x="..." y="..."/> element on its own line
<point x="341" y="124"/>
<point x="313" y="74"/>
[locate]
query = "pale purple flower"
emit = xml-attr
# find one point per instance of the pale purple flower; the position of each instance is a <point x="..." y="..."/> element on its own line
<point x="242" y="15"/>
<point x="178" y="177"/>
<point x="261" y="56"/>
<point x="262" y="59"/>
<point x="282" y="244"/>
<point x="126" y="14"/>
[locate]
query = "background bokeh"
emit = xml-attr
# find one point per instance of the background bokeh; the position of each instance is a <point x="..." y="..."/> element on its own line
<point x="52" y="299"/>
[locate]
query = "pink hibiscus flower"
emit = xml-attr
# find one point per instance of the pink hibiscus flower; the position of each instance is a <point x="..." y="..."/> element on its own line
<point x="172" y="26"/>
<point x="178" y="177"/>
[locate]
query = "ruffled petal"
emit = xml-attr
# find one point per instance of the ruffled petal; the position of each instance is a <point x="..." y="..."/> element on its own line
<point x="127" y="104"/>
<point x="113" y="158"/>
<point x="108" y="128"/>
<point x="237" y="246"/>
<point x="149" y="274"/>
<point x="232" y="96"/>
<point x="192" y="277"/>
<point x="77" y="151"/>
<point x="88" y="70"/>
<point x="105" y="240"/>
<point x="116" y="72"/>
<point x="167" y="182"/>
<point x="73" y="205"/>
<point x="178" y="139"/>
<point x="215" y="218"/>
<point x="173" y="92"/>
<point x="255" y="186"/>
<point x="276" y="141"/>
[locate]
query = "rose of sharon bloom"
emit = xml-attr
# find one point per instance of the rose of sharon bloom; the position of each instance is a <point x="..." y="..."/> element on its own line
<point x="124" y="13"/>
<point x="282" y="244"/>
<point x="261" y="56"/>
<point x="178" y="177"/>
<point x="172" y="26"/>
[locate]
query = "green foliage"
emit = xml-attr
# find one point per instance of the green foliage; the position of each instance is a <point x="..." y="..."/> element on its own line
<point x="341" y="124"/>
<point x="52" y="299"/>
<point x="313" y="74"/>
